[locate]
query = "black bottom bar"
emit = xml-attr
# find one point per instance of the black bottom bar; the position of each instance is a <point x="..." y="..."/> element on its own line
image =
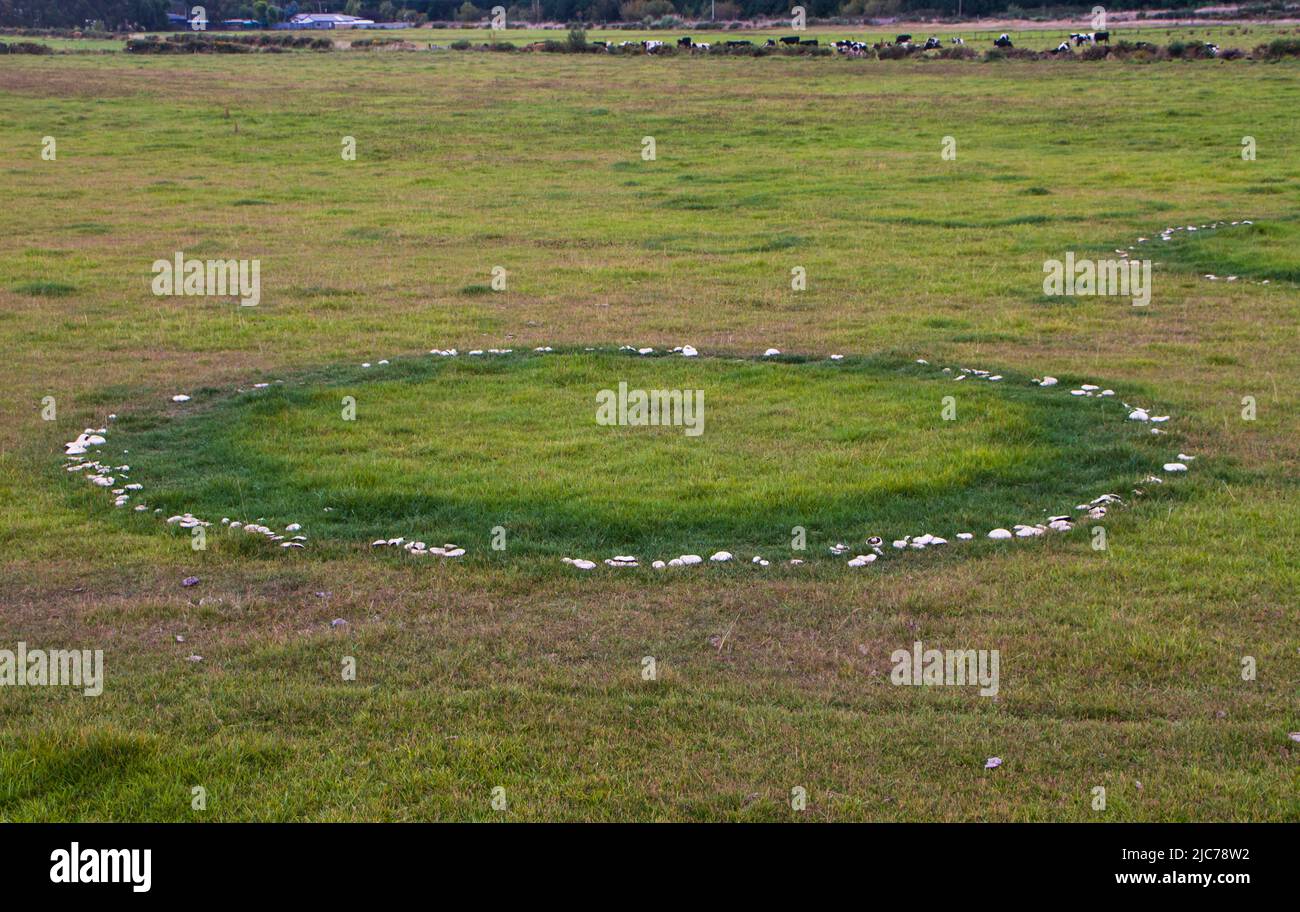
<point x="335" y="861"/>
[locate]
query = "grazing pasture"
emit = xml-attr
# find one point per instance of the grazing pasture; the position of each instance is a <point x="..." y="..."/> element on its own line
<point x="1040" y="37"/>
<point x="1121" y="667"/>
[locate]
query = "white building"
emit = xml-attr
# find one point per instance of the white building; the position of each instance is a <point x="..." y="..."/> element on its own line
<point x="328" y="21"/>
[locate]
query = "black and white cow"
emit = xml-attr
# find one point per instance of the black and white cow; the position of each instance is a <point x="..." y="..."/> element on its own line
<point x="932" y="43"/>
<point x="903" y="39"/>
<point x="1004" y="41"/>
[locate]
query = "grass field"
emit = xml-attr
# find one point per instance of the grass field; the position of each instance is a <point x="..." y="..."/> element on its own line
<point x="1121" y="667"/>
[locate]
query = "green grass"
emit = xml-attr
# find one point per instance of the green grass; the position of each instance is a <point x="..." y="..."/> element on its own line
<point x="1118" y="665"/>
<point x="1253" y="252"/>
<point x="45" y="289"/>
<point x="448" y="450"/>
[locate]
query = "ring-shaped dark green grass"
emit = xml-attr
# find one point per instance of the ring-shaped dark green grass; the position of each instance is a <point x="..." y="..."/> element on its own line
<point x="447" y="449"/>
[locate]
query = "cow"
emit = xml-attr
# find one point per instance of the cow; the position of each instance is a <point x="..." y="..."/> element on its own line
<point x="957" y="40"/>
<point x="739" y="44"/>
<point x="932" y="43"/>
<point x="1003" y="41"/>
<point x="790" y="39"/>
<point x="684" y="42"/>
<point x="1212" y="48"/>
<point x="808" y="42"/>
<point x="1101" y="37"/>
<point x="903" y="39"/>
<point x="770" y="43"/>
<point x="1062" y="48"/>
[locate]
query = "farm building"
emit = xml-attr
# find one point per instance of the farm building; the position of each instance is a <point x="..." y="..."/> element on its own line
<point x="328" y="21"/>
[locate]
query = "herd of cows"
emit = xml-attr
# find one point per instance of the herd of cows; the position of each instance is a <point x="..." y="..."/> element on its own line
<point x="852" y="48"/>
<point x="846" y="46"/>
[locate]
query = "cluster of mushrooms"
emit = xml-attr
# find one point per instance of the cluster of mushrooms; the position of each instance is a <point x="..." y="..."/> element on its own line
<point x="106" y="476"/>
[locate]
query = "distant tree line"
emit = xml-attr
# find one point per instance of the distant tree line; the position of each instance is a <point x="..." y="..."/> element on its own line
<point x="152" y="14"/>
<point x="139" y="14"/>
